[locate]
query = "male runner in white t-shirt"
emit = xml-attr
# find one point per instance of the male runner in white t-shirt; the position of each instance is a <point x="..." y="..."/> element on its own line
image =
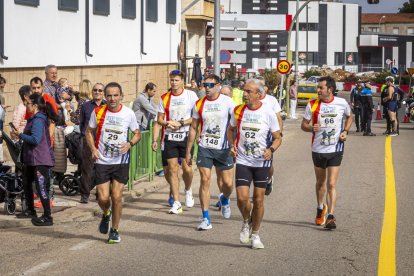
<point x="107" y="137"/>
<point x="324" y="118"/>
<point x="212" y="113"/>
<point x="258" y="137"/>
<point x="174" y="115"/>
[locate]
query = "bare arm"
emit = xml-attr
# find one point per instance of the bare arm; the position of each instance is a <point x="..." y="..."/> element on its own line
<point x="191" y="138"/>
<point x="127" y="145"/>
<point x="276" y="142"/>
<point x="390" y="93"/>
<point x="348" y="124"/>
<point x="155" y="134"/>
<point x="280" y="121"/>
<point x="307" y="127"/>
<point x="231" y="132"/>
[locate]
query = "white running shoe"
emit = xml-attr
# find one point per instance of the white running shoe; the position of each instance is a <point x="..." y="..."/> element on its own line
<point x="189" y="200"/>
<point x="256" y="242"/>
<point x="245" y="233"/>
<point x="176" y="208"/>
<point x="204" y="225"/>
<point x="225" y="210"/>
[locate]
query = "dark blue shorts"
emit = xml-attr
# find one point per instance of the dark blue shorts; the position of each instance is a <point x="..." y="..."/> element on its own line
<point x="221" y="159"/>
<point x="392" y="106"/>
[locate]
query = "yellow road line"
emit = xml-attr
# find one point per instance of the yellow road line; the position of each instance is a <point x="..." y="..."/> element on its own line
<point x="386" y="261"/>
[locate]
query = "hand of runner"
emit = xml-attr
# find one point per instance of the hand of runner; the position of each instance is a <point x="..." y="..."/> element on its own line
<point x="125" y="147"/>
<point x="316" y="127"/>
<point x="174" y="124"/>
<point x="342" y="136"/>
<point x="95" y="155"/>
<point x="154" y="146"/>
<point x="267" y="154"/>
<point x="188" y="159"/>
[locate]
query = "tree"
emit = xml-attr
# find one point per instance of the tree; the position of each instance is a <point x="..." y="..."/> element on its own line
<point x="408" y="7"/>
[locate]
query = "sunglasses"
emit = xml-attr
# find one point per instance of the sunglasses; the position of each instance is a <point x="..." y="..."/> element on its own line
<point x="97" y="90"/>
<point x="209" y="84"/>
<point x="175" y="72"/>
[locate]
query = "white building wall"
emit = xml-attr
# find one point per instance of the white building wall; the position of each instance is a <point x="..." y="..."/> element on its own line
<point x="335" y="30"/>
<point x="43" y="35"/>
<point x="352" y="29"/>
<point x="409" y="54"/>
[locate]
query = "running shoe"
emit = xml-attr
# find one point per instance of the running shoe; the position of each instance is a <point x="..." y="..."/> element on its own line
<point x="218" y="204"/>
<point x="256" y="242"/>
<point x="114" y="236"/>
<point x="189" y="200"/>
<point x="104" y="224"/>
<point x="26" y="214"/>
<point x="170" y="201"/>
<point x="393" y="134"/>
<point x="330" y="222"/>
<point x="204" y="225"/>
<point x="245" y="233"/>
<point x="176" y="208"/>
<point x="226" y="211"/>
<point x="42" y="221"/>
<point x="320" y="215"/>
<point x="269" y="187"/>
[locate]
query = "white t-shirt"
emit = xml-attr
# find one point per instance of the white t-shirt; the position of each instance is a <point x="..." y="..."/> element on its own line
<point x="176" y="108"/>
<point x="215" y="117"/>
<point x="254" y="134"/>
<point x="330" y="117"/>
<point x="272" y="103"/>
<point x="112" y="132"/>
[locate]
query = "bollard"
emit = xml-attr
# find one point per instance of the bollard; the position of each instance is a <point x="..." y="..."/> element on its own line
<point x="379" y="115"/>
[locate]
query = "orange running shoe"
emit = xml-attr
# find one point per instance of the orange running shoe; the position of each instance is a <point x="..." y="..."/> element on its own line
<point x="320" y="215"/>
<point x="330" y="222"/>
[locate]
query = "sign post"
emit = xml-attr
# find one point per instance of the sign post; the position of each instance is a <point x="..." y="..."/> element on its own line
<point x="225" y="56"/>
<point x="283" y="67"/>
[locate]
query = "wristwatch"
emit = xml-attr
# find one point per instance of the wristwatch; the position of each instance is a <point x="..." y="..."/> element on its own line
<point x="346" y="131"/>
<point x="182" y="122"/>
<point x="272" y="149"/>
<point x="132" y="144"/>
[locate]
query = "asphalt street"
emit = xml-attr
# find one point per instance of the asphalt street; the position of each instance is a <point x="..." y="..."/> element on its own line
<point x="157" y="243"/>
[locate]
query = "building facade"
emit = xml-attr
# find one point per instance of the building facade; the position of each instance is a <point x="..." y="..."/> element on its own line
<point x="128" y="41"/>
<point x="328" y="32"/>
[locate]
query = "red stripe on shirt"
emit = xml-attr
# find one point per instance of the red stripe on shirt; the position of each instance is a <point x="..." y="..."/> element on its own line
<point x="100" y="112"/>
<point x="238" y="114"/>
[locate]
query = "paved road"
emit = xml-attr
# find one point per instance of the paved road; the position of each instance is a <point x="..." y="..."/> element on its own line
<point x="156" y="243"/>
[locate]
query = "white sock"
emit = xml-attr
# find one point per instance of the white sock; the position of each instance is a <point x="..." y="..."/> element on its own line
<point x="320" y="207"/>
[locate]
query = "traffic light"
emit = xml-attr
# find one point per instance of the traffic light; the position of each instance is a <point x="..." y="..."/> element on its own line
<point x="373" y="1"/>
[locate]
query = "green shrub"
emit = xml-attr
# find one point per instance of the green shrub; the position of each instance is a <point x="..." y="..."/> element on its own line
<point x="311" y="73"/>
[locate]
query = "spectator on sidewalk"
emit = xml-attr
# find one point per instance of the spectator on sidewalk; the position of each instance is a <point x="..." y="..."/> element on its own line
<point x="84" y="95"/>
<point x="62" y="98"/>
<point x="3" y="108"/>
<point x="226" y="90"/>
<point x="87" y="163"/>
<point x="144" y="106"/>
<point x="367" y="107"/>
<point x="19" y="112"/>
<point x="293" y="94"/>
<point x="355" y="100"/>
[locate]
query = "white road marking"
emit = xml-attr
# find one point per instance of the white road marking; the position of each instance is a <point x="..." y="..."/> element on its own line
<point x="143" y="213"/>
<point x="81" y="245"/>
<point x="38" y="268"/>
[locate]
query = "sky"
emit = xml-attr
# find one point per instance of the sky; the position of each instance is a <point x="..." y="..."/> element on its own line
<point x="384" y="6"/>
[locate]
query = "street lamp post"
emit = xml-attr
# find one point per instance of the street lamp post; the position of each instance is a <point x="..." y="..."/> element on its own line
<point x="379" y="22"/>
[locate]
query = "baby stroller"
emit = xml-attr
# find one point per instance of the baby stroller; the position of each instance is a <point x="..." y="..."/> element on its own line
<point x="69" y="183"/>
<point x="11" y="184"/>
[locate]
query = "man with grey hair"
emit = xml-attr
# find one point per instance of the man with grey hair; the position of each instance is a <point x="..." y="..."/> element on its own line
<point x="226" y="90"/>
<point x="270" y="102"/>
<point x="50" y="84"/>
<point x="253" y="149"/>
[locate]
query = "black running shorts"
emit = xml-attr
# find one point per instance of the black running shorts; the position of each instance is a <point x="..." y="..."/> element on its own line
<point x="324" y="160"/>
<point x="105" y="173"/>
<point x="245" y="175"/>
<point x="174" y="149"/>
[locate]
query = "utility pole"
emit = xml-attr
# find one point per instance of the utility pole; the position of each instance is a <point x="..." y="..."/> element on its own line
<point x="217" y="37"/>
<point x="297" y="43"/>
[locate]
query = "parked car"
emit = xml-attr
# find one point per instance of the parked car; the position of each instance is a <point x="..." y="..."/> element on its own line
<point x="306" y="92"/>
<point x="313" y="79"/>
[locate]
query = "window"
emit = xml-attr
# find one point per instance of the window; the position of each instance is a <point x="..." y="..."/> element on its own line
<point x="410" y="31"/>
<point x="171" y="11"/>
<point x="68" y="5"/>
<point x="395" y="30"/>
<point x="373" y="29"/>
<point x="264" y="43"/>
<point x="264" y="6"/>
<point x="101" y="7"/>
<point x="129" y="9"/>
<point x="33" y="3"/>
<point x="339" y="58"/>
<point x="351" y="58"/>
<point x="152" y="10"/>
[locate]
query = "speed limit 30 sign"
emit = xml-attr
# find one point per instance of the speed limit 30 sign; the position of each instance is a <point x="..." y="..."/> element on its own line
<point x="283" y="66"/>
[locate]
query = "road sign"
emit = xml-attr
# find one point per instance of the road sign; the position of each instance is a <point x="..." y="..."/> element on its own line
<point x="233" y="24"/>
<point x="233" y="45"/>
<point x="238" y="58"/>
<point x="233" y="34"/>
<point x="394" y="70"/>
<point x="283" y="67"/>
<point x="410" y="71"/>
<point x="388" y="61"/>
<point x="225" y="56"/>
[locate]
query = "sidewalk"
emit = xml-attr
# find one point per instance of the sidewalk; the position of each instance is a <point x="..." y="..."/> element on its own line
<point x="67" y="208"/>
